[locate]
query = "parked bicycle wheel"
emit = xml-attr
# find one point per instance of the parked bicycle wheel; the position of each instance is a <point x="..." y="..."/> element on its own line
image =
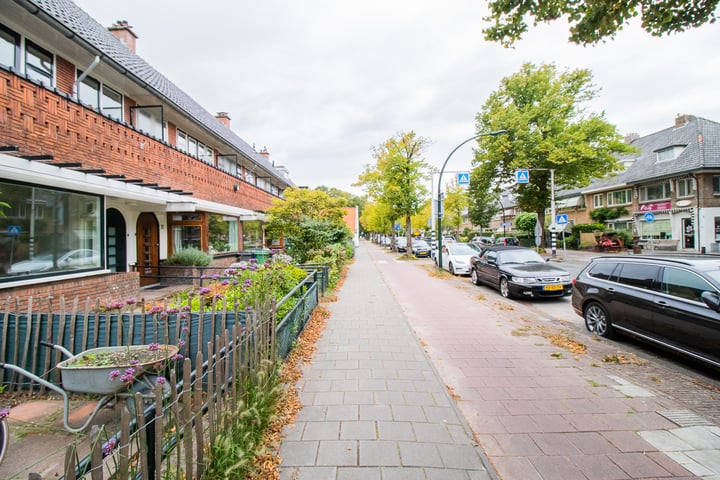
<point x="4" y="436"/>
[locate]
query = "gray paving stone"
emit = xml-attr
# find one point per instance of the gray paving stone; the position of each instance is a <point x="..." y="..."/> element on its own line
<point x="310" y="413"/>
<point x="337" y="452"/>
<point x="419" y="454"/>
<point x="359" y="473"/>
<point x="379" y="453"/>
<point x="395" y="430"/>
<point x="446" y="474"/>
<point x="408" y="413"/>
<point x="298" y="453"/>
<point x="321" y="430"/>
<point x="356" y="430"/>
<point x="441" y="415"/>
<point x="389" y="398"/>
<point x="328" y="398"/>
<point x="403" y="473"/>
<point x="432" y="433"/>
<point x="293" y="431"/>
<point x="460" y="456"/>
<point x="342" y="412"/>
<point x="308" y="473"/>
<point x="699" y="437"/>
<point x="375" y="412"/>
<point x="373" y="385"/>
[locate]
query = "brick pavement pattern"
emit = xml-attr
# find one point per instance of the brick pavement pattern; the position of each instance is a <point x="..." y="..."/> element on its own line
<point x="373" y="405"/>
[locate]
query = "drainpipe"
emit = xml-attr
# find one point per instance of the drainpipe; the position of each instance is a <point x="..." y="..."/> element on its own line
<point x="85" y="74"/>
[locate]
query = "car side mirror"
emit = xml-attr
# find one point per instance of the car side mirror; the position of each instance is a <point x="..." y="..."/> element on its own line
<point x="711" y="299"/>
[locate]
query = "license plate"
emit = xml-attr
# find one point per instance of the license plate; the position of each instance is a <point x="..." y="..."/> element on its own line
<point x="552" y="287"/>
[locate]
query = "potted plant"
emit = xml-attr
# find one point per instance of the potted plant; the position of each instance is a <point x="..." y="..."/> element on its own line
<point x="109" y="370"/>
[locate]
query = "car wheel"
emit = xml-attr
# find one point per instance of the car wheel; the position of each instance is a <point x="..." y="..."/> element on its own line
<point x="597" y="320"/>
<point x="474" y="277"/>
<point x="451" y="268"/>
<point x="505" y="288"/>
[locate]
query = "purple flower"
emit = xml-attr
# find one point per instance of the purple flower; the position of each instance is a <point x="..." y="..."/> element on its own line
<point x="129" y="376"/>
<point x="134" y="361"/>
<point x="203" y="291"/>
<point x="154" y="346"/>
<point x="235" y="282"/>
<point x="187" y="308"/>
<point x="215" y="276"/>
<point x="109" y="447"/>
<point x="181" y="343"/>
<point x="224" y="282"/>
<point x="249" y="308"/>
<point x="185" y="329"/>
<point x="160" y="380"/>
<point x="4" y="413"/>
<point x="114" y="374"/>
<point x="131" y="301"/>
<point x="177" y="356"/>
<point x="191" y="294"/>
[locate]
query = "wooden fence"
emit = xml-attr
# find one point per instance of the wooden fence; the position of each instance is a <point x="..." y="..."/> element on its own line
<point x="223" y="348"/>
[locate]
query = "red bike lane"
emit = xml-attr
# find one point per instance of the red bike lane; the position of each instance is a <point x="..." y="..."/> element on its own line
<point x="538" y="411"/>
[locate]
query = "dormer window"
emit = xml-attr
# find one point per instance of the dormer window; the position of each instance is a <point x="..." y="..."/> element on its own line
<point x="670" y="153"/>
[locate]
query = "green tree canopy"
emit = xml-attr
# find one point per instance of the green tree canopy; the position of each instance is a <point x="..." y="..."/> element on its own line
<point x="548" y="129"/>
<point x="594" y="20"/>
<point x="456" y="203"/>
<point x="307" y="219"/>
<point x="397" y="178"/>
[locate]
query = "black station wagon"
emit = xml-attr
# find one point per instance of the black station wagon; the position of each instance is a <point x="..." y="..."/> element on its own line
<point x="671" y="301"/>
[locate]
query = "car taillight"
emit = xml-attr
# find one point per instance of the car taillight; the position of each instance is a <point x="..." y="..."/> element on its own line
<point x="573" y="281"/>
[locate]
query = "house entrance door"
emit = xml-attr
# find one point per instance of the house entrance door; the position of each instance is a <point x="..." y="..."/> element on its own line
<point x="148" y="249"/>
<point x="688" y="233"/>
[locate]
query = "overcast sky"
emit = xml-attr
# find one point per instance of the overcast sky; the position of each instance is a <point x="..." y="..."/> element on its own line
<point x="319" y="82"/>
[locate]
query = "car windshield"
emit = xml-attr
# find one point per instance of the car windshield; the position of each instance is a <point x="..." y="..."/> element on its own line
<point x="420" y="244"/>
<point x="461" y="249"/>
<point x="520" y="256"/>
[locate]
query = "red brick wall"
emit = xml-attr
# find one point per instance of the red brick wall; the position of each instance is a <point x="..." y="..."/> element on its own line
<point x="42" y="122"/>
<point x="65" y="75"/>
<point x="103" y="288"/>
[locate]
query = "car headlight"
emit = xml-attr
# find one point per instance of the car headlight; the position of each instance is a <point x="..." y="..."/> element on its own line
<point x="525" y="280"/>
<point x="564" y="278"/>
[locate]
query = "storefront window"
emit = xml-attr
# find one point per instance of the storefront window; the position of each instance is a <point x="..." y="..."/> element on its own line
<point x="252" y="235"/>
<point x="48" y="232"/>
<point x="659" y="229"/>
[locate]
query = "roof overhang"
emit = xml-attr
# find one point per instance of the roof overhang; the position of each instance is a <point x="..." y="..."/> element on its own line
<point x="39" y="173"/>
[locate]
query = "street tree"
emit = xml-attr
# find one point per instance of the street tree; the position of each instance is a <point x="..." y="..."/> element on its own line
<point x="456" y="203"/>
<point x="592" y="21"/>
<point x="307" y="220"/>
<point x="397" y="177"/>
<point x="482" y="200"/>
<point x="547" y="129"/>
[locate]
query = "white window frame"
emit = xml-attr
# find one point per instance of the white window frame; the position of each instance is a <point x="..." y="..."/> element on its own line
<point x="685" y="187"/>
<point x="643" y="192"/>
<point x="598" y="200"/>
<point x="611" y="197"/>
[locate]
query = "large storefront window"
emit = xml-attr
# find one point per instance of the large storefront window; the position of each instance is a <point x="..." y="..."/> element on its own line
<point x="252" y="235"/>
<point x="658" y="230"/>
<point x="45" y="231"/>
<point x="187" y="232"/>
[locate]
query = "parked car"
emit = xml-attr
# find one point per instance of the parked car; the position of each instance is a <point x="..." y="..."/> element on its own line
<point x="519" y="272"/>
<point x="482" y="240"/>
<point x="507" y="241"/>
<point x="420" y="248"/>
<point x="74" y="259"/>
<point x="670" y="301"/>
<point x="456" y="258"/>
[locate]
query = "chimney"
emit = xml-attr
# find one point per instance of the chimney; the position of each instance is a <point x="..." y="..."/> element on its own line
<point x="224" y="118"/>
<point x="682" y="120"/>
<point x="630" y="137"/>
<point x="265" y="154"/>
<point x="123" y="32"/>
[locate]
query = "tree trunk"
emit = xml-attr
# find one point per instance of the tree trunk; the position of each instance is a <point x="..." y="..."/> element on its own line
<point x="408" y="234"/>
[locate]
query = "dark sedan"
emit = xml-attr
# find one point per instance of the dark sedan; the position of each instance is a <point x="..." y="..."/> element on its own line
<point x="519" y="272"/>
<point x="420" y="248"/>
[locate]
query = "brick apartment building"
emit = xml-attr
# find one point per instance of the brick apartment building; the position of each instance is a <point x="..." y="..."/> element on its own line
<point x="107" y="167"/>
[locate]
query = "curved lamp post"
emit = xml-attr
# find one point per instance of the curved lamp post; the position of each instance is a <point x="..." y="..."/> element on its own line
<point x="439" y="204"/>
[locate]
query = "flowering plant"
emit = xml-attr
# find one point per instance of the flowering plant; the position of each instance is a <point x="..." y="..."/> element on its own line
<point x="5" y="412"/>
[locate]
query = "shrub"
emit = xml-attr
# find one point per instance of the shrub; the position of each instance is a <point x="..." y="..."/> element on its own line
<point x="190" y="257"/>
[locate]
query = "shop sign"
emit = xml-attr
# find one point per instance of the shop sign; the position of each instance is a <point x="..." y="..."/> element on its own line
<point x="651" y="207"/>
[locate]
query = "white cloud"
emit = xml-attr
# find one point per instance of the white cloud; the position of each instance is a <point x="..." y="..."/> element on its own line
<point x="319" y="82"/>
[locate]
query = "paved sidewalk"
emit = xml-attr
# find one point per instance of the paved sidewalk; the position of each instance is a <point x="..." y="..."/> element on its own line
<point x="374" y="406"/>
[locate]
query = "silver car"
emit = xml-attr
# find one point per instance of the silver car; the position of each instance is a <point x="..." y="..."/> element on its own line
<point x="456" y="258"/>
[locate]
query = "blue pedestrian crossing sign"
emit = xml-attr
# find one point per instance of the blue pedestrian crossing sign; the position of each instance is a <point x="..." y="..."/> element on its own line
<point x="14" y="230"/>
<point x="463" y="178"/>
<point x="522" y="176"/>
<point x="561" y="219"/>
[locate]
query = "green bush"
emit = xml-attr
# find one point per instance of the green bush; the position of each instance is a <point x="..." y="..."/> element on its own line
<point x="190" y="257"/>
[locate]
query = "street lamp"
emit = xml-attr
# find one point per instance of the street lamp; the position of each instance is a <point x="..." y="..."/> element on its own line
<point x="439" y="200"/>
<point x="502" y="207"/>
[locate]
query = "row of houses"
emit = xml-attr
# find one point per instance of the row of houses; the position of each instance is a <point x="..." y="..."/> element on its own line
<point x="106" y="167"/>
<point x="669" y="191"/>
